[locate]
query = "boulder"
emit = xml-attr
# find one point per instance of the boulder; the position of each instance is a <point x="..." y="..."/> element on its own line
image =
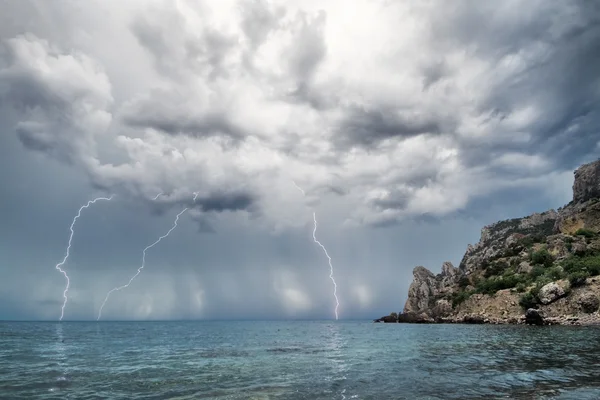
<point x="550" y="292"/>
<point x="473" y="319"/>
<point x="579" y="247"/>
<point x="534" y="317"/>
<point x="524" y="267"/>
<point x="588" y="302"/>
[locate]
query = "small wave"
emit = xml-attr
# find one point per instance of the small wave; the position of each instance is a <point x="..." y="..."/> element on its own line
<point x="285" y="350"/>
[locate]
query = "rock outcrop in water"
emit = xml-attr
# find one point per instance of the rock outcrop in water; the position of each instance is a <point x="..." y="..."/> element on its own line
<point x="540" y="269"/>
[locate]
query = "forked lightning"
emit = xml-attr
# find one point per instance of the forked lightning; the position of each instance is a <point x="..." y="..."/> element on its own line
<point x="143" y="258"/>
<point x="62" y="263"/>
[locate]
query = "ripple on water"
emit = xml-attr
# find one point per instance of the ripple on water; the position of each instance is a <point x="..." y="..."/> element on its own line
<point x="296" y="360"/>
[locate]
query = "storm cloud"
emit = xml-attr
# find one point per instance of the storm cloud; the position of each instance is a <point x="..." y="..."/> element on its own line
<point x="405" y="124"/>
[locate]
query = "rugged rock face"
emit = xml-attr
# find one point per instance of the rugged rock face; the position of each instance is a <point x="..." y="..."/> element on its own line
<point x="426" y="289"/>
<point x="496" y="238"/>
<point x="579" y="216"/>
<point x="421" y="290"/>
<point x="541" y="262"/>
<point x="588" y="302"/>
<point x="587" y="182"/>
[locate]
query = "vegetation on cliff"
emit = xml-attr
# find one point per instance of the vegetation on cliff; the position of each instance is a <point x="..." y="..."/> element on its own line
<point x="498" y="274"/>
<point x="537" y="262"/>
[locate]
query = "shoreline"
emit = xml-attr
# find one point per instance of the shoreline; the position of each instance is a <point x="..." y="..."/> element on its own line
<point x="531" y="317"/>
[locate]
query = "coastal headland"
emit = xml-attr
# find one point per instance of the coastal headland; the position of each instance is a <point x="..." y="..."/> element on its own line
<point x="543" y="269"/>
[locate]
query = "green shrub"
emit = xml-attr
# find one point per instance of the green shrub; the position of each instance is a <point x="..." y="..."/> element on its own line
<point x="537" y="271"/>
<point x="463" y="282"/>
<point x="542" y="257"/>
<point x="588" y="233"/>
<point x="578" y="278"/>
<point x="491" y="285"/>
<point x="495" y="268"/>
<point x="528" y="300"/>
<point x="521" y="287"/>
<point x="529" y="240"/>
<point x="555" y="273"/>
<point x="459" y="297"/>
<point x="589" y="264"/>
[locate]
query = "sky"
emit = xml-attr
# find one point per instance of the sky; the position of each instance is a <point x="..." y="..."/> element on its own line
<point x="409" y="126"/>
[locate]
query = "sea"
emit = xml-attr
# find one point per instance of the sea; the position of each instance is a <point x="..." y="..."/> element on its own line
<point x="296" y="360"/>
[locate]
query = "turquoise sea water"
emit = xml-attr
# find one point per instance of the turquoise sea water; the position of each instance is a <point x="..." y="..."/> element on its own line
<point x="296" y="360"/>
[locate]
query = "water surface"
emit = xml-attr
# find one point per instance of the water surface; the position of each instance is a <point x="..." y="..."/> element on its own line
<point x="296" y="360"/>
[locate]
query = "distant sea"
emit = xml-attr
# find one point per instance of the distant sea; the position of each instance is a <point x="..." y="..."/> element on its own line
<point x="296" y="360"/>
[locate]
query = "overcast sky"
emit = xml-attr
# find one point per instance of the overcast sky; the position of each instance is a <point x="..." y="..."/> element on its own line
<point x="408" y="124"/>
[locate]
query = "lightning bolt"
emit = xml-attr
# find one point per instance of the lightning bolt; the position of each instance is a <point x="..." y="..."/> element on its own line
<point x="144" y="258"/>
<point x="299" y="188"/>
<point x="157" y="196"/>
<point x="62" y="263"/>
<point x="337" y="302"/>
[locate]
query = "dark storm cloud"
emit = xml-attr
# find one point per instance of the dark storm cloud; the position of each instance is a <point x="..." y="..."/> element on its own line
<point x="154" y="113"/>
<point x="184" y="59"/>
<point x="55" y="94"/>
<point x="219" y="202"/>
<point x="367" y="127"/>
<point x="215" y="202"/>
<point x="559" y="46"/>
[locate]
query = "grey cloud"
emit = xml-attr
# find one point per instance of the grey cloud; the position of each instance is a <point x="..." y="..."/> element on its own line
<point x="219" y="202"/>
<point x="35" y="136"/>
<point x="560" y="46"/>
<point x="159" y="29"/>
<point x="434" y="72"/>
<point x="163" y="112"/>
<point x="396" y="201"/>
<point x="308" y="48"/>
<point x="52" y="104"/>
<point x="110" y="239"/>
<point x="306" y="53"/>
<point x="258" y="19"/>
<point x="369" y="126"/>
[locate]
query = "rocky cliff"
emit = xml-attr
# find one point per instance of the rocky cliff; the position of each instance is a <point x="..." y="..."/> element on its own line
<point x="543" y="268"/>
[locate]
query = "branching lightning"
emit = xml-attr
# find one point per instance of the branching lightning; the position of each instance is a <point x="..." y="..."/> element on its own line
<point x="157" y="196"/>
<point x="337" y="302"/>
<point x="62" y="263"/>
<point x="144" y="258"/>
